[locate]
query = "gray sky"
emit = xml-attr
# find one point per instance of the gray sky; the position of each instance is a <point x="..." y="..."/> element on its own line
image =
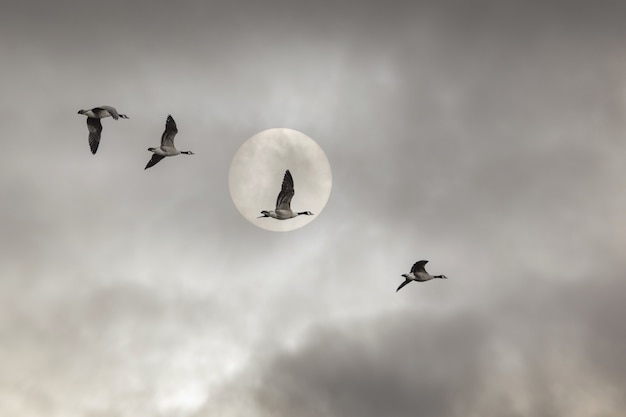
<point x="484" y="136"/>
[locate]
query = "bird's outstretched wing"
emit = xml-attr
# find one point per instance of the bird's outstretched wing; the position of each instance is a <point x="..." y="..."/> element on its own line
<point x="112" y="111"/>
<point x="283" y="202"/>
<point x="167" y="139"/>
<point x="95" y="128"/>
<point x="154" y="160"/>
<point x="406" y="281"/>
<point x="419" y="266"/>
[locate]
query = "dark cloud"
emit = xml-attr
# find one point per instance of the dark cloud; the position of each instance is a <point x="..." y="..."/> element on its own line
<point x="516" y="355"/>
<point x="403" y="367"/>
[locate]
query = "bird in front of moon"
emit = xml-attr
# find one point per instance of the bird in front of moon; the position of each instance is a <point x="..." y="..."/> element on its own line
<point x="283" y="202"/>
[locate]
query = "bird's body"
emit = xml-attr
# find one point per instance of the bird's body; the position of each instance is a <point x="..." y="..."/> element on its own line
<point x="283" y="202"/>
<point x="93" y="123"/>
<point x="418" y="273"/>
<point x="167" y="147"/>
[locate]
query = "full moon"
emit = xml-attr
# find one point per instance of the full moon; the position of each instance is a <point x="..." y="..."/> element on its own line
<point x="257" y="171"/>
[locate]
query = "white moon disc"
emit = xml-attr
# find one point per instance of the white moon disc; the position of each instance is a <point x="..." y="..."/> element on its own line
<point x="257" y="170"/>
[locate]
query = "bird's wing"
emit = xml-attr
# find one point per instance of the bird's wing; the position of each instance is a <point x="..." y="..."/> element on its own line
<point x="283" y="202"/>
<point x="169" y="133"/>
<point x="112" y="111"/>
<point x="406" y="281"/>
<point x="419" y="266"/>
<point x="154" y="160"/>
<point x="95" y="128"/>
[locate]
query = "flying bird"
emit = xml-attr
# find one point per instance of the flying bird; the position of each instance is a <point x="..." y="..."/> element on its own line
<point x="93" y="123"/>
<point x="283" y="202"/>
<point x="167" y="147"/>
<point x="418" y="273"/>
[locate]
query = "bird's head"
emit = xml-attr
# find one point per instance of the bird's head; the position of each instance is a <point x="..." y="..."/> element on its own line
<point x="81" y="111"/>
<point x="305" y="213"/>
<point x="188" y="153"/>
<point x="441" y="276"/>
<point x="405" y="275"/>
<point x="264" y="213"/>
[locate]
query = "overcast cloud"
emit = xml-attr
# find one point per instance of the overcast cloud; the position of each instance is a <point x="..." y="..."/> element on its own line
<point x="484" y="136"/>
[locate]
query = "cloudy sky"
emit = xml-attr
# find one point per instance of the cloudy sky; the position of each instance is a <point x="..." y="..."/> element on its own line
<point x="486" y="137"/>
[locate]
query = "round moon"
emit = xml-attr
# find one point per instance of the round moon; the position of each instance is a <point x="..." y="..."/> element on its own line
<point x="258" y="170"/>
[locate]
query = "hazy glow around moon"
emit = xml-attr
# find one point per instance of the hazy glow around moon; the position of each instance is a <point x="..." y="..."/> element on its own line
<point x="257" y="170"/>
